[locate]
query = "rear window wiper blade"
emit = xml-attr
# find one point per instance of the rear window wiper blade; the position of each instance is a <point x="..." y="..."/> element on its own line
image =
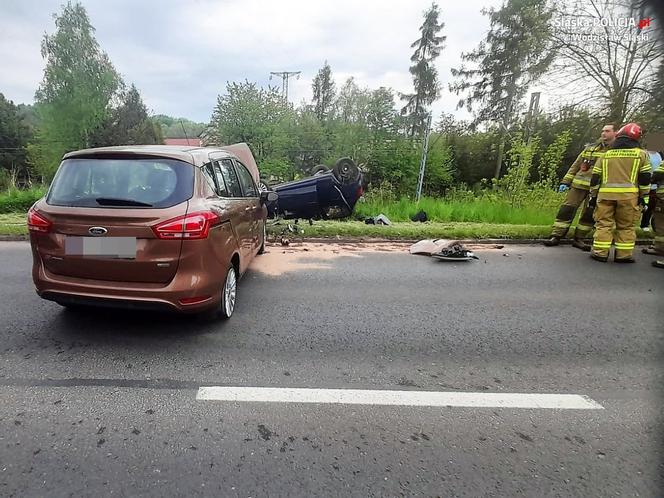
<point x="112" y="201"/>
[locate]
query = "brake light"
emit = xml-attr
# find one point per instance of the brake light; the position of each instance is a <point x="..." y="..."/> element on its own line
<point x="360" y="192"/>
<point x="38" y="223"/>
<point x="191" y="226"/>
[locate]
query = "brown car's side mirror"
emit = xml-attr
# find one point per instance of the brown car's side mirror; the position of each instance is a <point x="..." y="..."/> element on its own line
<point x="268" y="196"/>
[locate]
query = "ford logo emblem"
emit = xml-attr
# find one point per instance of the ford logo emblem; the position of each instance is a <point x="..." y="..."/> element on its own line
<point x="97" y="230"/>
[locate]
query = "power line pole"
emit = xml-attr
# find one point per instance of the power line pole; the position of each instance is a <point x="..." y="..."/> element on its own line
<point x="423" y="161"/>
<point x="285" y="75"/>
<point x="533" y="111"/>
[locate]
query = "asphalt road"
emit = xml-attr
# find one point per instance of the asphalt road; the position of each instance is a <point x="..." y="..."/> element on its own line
<point x="104" y="403"/>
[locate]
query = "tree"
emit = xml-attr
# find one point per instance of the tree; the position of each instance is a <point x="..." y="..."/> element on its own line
<point x="324" y="90"/>
<point x="261" y="118"/>
<point x="425" y="76"/>
<point x="128" y="123"/>
<point x="14" y="136"/>
<point x="350" y="105"/>
<point x="381" y="116"/>
<point x="178" y="127"/>
<point x="74" y="97"/>
<point x="515" y="53"/>
<point x="611" y="67"/>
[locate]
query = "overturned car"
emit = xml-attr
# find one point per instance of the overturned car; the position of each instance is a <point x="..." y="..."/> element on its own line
<point x="327" y="194"/>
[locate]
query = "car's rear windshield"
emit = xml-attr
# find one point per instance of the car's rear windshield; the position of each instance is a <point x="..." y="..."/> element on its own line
<point x="126" y="182"/>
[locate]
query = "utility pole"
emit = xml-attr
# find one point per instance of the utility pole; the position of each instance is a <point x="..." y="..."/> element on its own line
<point x="423" y="161"/>
<point x="285" y="75"/>
<point x="533" y="111"/>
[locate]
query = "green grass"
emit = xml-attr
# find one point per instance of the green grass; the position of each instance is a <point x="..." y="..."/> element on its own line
<point x="16" y="200"/>
<point x="13" y="224"/>
<point x="477" y="210"/>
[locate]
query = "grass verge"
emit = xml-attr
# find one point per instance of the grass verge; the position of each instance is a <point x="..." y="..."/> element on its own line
<point x="13" y="224"/>
<point x="416" y="231"/>
<point x="477" y="210"/>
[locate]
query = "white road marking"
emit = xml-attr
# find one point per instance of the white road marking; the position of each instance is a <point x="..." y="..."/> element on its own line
<point x="398" y="398"/>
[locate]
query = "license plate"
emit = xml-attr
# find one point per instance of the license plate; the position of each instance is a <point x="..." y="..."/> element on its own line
<point x="109" y="247"/>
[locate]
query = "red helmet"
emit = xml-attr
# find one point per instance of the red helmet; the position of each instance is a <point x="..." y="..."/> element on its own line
<point x="631" y="130"/>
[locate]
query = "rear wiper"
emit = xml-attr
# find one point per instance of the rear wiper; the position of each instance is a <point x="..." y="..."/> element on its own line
<point x="111" y="201"/>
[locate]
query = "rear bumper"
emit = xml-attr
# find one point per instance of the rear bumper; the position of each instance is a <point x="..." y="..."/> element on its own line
<point x="104" y="302"/>
<point x="128" y="295"/>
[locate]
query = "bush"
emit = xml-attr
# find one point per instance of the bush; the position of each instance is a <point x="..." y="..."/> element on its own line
<point x="15" y="200"/>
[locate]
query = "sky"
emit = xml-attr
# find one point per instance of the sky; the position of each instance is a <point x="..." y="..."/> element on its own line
<point x="181" y="54"/>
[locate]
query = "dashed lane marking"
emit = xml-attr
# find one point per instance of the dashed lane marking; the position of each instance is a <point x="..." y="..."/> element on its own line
<point x="398" y="398"/>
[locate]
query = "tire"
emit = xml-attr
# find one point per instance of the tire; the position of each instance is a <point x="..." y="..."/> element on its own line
<point x="346" y="171"/>
<point x="321" y="168"/>
<point x="261" y="250"/>
<point x="228" y="294"/>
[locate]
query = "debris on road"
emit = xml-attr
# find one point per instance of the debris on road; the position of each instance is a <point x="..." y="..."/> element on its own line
<point x="442" y="249"/>
<point x="455" y="251"/>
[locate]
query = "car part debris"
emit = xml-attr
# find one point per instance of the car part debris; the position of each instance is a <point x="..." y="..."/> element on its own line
<point x="454" y="251"/>
<point x="420" y="216"/>
<point x="381" y="219"/>
<point x="428" y="246"/>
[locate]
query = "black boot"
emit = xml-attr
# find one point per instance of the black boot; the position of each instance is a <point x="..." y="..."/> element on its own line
<point x="658" y="264"/>
<point x="597" y="257"/>
<point x="553" y="241"/>
<point x="579" y="244"/>
<point x="624" y="260"/>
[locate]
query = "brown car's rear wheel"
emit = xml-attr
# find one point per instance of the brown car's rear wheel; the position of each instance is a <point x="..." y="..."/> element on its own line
<point x="261" y="250"/>
<point x="228" y="293"/>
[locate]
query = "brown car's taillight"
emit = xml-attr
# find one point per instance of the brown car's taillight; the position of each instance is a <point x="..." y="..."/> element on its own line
<point x="191" y="226"/>
<point x="38" y="223"/>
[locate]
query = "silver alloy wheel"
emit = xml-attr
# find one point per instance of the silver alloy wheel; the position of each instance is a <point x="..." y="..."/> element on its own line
<point x="230" y="288"/>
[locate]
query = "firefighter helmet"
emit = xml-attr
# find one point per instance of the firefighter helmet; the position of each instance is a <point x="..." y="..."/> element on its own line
<point x="630" y="130"/>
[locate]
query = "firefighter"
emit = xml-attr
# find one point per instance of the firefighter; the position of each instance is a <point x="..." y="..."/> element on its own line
<point x="577" y="185"/>
<point x="658" y="216"/>
<point x="619" y="184"/>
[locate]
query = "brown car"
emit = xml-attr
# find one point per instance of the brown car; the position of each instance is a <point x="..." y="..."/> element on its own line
<point x="149" y="227"/>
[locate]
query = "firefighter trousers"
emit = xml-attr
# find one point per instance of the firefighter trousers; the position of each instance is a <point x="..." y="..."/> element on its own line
<point x="622" y="213"/>
<point x="658" y="224"/>
<point x="575" y="197"/>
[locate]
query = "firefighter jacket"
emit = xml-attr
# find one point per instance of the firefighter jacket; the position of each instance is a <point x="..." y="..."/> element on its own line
<point x="578" y="175"/>
<point x="621" y="174"/>
<point x="658" y="179"/>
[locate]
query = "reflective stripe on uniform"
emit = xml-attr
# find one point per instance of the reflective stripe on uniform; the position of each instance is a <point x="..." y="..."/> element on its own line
<point x="601" y="244"/>
<point x="581" y="181"/>
<point x="605" y="169"/>
<point x="635" y="170"/>
<point x="626" y="246"/>
<point x="617" y="190"/>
